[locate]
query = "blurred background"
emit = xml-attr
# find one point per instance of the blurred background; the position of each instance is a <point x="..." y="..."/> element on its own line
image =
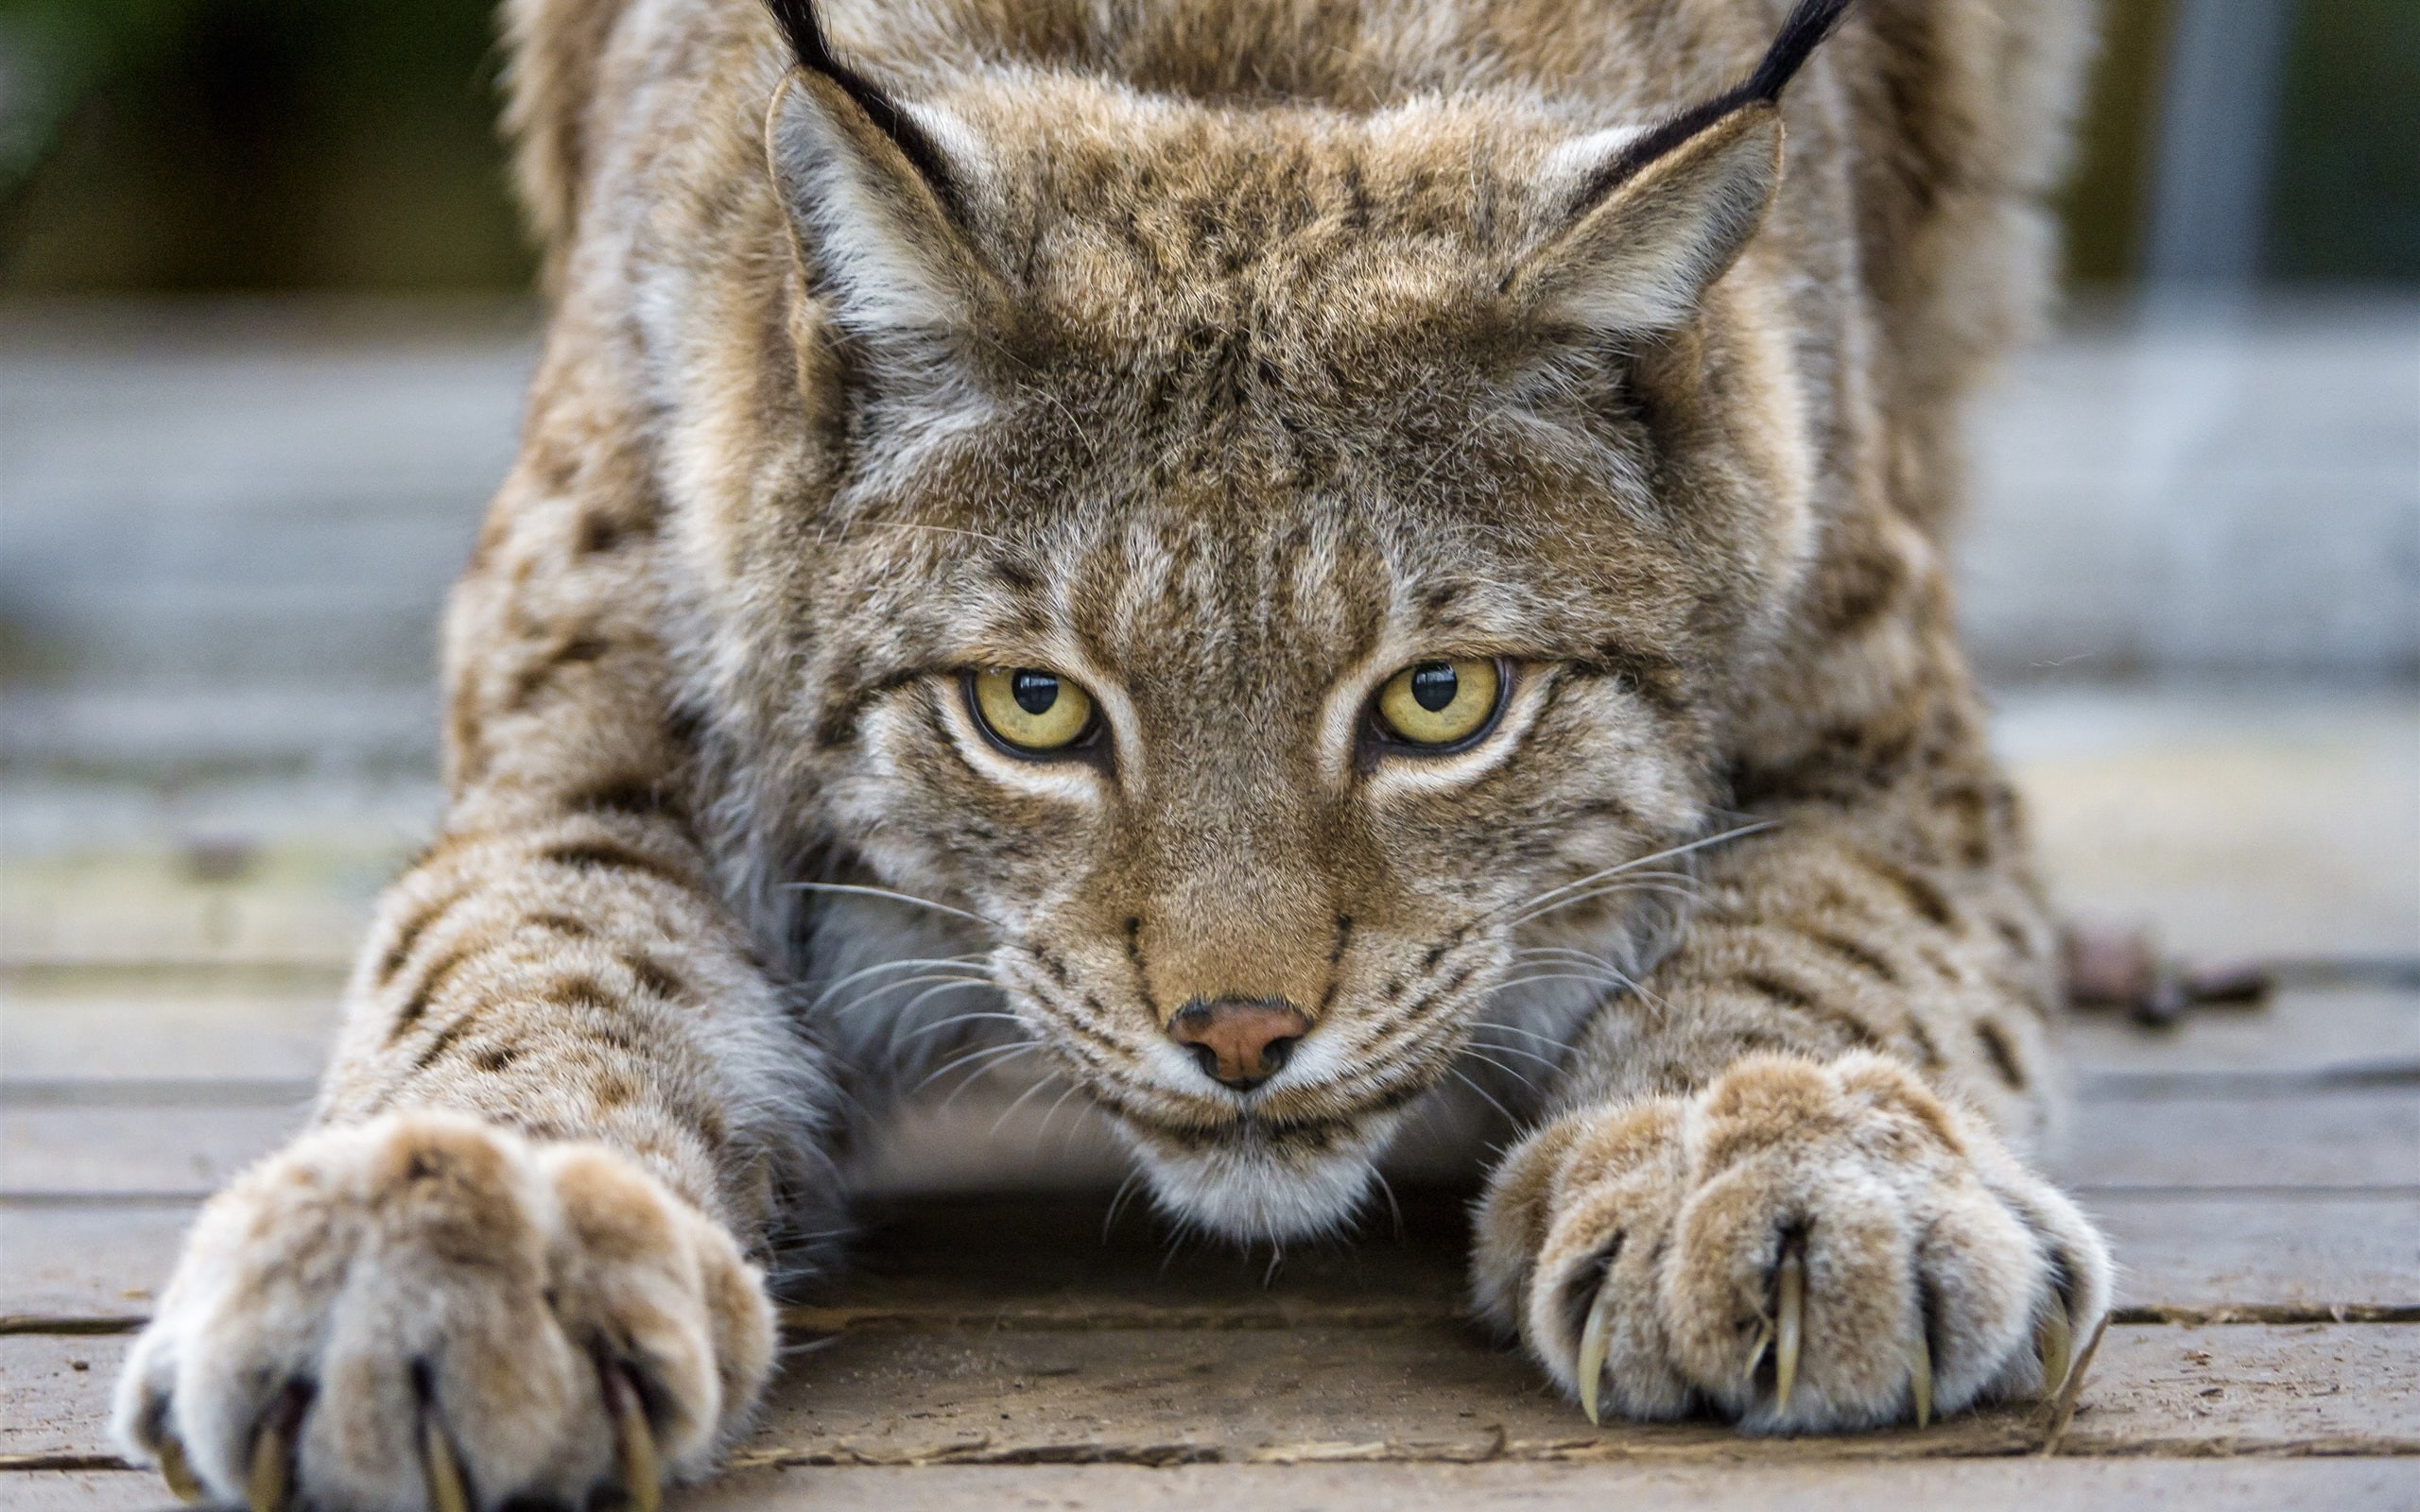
<point x="265" y="315"/>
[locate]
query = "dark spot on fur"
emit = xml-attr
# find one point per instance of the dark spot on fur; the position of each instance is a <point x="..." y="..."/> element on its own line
<point x="1858" y="955"/>
<point x="598" y="532"/>
<point x="424" y="992"/>
<point x="654" y="978"/>
<point x="1865" y="585"/>
<point x="1807" y="1005"/>
<point x="605" y="855"/>
<point x="645" y="800"/>
<point x="562" y="924"/>
<point x="580" y="990"/>
<point x="533" y="679"/>
<point x="1970" y="810"/>
<point x="496" y="1057"/>
<point x="2004" y="1054"/>
<point x="1926" y="1052"/>
<point x="1923" y="894"/>
<point x="447" y="1039"/>
<point x="2018" y="940"/>
<point x="683" y="727"/>
<point x="409" y="935"/>
<point x="1780" y="991"/>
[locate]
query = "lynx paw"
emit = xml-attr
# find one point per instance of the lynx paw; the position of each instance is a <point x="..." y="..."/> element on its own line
<point x="1799" y="1245"/>
<point x="429" y="1312"/>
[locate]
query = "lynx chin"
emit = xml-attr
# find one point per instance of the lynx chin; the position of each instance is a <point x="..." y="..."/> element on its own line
<point x="1297" y="567"/>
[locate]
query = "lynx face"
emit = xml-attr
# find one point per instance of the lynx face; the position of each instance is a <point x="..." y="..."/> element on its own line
<point x="1276" y="565"/>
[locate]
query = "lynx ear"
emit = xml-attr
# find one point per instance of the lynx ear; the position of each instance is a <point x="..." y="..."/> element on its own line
<point x="1649" y="219"/>
<point x="876" y="191"/>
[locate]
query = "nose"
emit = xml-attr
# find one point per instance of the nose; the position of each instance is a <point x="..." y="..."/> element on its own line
<point x="1239" y="1041"/>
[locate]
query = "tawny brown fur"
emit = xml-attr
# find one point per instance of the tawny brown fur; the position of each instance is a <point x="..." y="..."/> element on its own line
<point x="1242" y="353"/>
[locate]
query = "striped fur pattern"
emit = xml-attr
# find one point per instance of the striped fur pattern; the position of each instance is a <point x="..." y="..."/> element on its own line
<point x="1225" y="357"/>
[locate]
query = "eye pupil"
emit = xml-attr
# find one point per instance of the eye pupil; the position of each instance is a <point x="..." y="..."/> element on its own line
<point x="1034" y="692"/>
<point x="1433" y="685"/>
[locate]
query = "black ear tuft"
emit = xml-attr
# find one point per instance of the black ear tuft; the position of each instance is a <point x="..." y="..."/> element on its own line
<point x="813" y="50"/>
<point x="1808" y="23"/>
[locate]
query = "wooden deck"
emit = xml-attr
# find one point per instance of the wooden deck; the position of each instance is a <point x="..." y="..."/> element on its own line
<point x="226" y="534"/>
<point x="2258" y="1170"/>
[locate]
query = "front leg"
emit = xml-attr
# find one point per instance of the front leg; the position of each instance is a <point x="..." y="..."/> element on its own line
<point x="518" y="1256"/>
<point x="1786" y="1183"/>
<point x="1800" y="1245"/>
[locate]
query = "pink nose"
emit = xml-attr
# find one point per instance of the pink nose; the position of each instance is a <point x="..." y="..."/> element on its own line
<point x="1240" y="1041"/>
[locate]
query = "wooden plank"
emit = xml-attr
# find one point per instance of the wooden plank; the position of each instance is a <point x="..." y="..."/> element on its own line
<point x="1437" y="1392"/>
<point x="1972" y="1485"/>
<point x="2359" y="1138"/>
<point x="2300" y="1030"/>
<point x="2200" y="1250"/>
<point x="52" y="1150"/>
<point x="2018" y="1485"/>
<point x="1414" y="1393"/>
<point x="87" y="1261"/>
<point x="2262" y="822"/>
<point x="161" y="1034"/>
<point x="54" y="1393"/>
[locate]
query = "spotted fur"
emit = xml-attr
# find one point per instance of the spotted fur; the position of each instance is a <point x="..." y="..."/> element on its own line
<point x="1228" y="356"/>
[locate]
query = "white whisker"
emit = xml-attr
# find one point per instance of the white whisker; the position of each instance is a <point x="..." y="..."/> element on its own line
<point x="1519" y="1080"/>
<point x="1627" y="865"/>
<point x="956" y="1062"/>
<point x="1010" y="1112"/>
<point x="894" y="897"/>
<point x="1457" y="1072"/>
<point x="956" y="1018"/>
<point x="866" y="999"/>
<point x="1608" y="890"/>
<point x="1525" y="1034"/>
<point x="1560" y="976"/>
<point x="902" y="964"/>
<point x="1526" y="1054"/>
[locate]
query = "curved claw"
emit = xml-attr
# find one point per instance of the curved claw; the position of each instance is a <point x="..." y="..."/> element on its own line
<point x="439" y="1466"/>
<point x="634" y="1440"/>
<point x="1594" y="1340"/>
<point x="1789" y="1314"/>
<point x="177" y="1473"/>
<point x="268" y="1483"/>
<point x="2054" y="1340"/>
<point x="1920" y="1379"/>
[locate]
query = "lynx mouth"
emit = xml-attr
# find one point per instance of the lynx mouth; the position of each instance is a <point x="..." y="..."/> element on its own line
<point x="1257" y="1181"/>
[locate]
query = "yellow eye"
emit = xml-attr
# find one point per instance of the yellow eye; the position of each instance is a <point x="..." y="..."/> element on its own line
<point x="1439" y="703"/>
<point x="1031" y="709"/>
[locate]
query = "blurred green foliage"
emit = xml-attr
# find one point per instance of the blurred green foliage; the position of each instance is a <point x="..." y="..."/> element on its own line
<point x="2345" y="198"/>
<point x="234" y="144"/>
<point x="261" y="144"/>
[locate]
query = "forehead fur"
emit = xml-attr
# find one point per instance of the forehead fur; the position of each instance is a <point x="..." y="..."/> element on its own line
<point x="1133" y="225"/>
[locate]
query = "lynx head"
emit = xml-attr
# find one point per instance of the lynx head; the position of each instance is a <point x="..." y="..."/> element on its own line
<point x="1272" y="562"/>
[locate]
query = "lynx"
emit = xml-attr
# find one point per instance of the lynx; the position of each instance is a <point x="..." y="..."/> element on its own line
<point x="1288" y="563"/>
